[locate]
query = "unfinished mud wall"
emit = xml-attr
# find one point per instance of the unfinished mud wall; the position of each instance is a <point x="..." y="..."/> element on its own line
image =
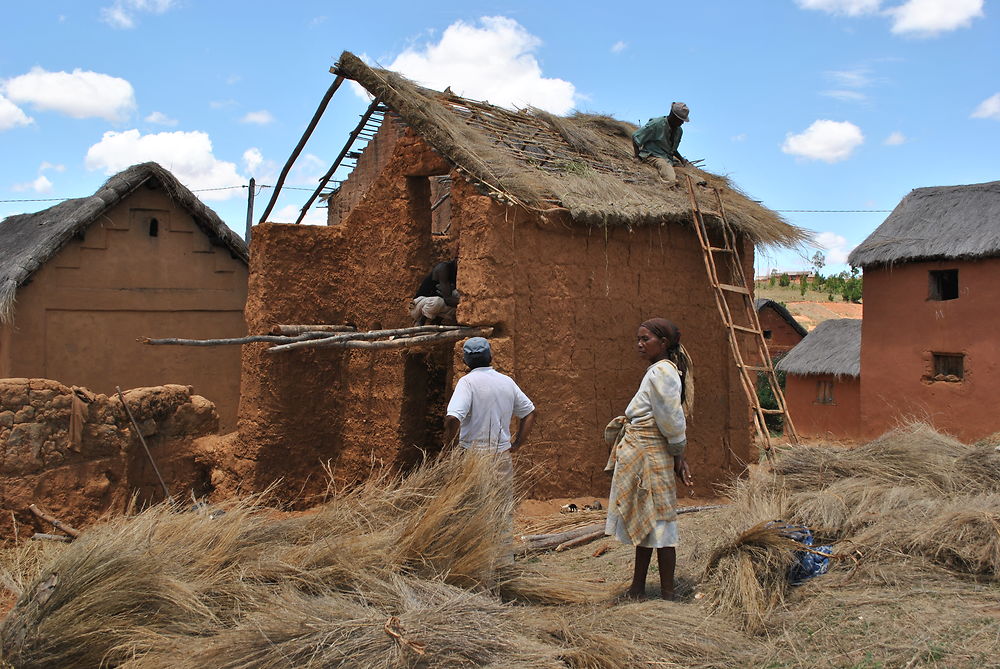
<point x="79" y="475"/>
<point x="145" y="269"/>
<point x="350" y="409"/>
<point x="839" y="418"/>
<point x="902" y="330"/>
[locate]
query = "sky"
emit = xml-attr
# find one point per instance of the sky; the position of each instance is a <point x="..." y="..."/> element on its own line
<point x="829" y="111"/>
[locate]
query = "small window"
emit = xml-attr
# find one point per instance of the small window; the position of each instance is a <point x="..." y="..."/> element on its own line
<point x="767" y="334"/>
<point x="154" y="227"/>
<point x="943" y="284"/>
<point x="949" y="367"/>
<point x="824" y="392"/>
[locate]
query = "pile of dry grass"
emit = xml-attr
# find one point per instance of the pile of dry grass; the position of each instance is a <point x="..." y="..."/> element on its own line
<point x="913" y="496"/>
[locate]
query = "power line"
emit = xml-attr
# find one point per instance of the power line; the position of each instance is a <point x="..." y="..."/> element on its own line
<point x="833" y="211"/>
<point x="193" y="190"/>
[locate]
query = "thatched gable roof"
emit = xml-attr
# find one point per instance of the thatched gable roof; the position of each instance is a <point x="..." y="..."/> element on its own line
<point x="28" y="241"/>
<point x="782" y="311"/>
<point x="937" y="223"/>
<point x="582" y="164"/>
<point x="834" y="347"/>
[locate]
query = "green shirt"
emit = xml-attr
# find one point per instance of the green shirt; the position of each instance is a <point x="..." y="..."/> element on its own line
<point x="657" y="138"/>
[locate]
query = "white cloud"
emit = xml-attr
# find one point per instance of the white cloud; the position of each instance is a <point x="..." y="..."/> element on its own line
<point x="46" y="165"/>
<point x="895" y="139"/>
<point x="829" y="141"/>
<point x="926" y="18"/>
<point x="121" y="13"/>
<point x="619" y="46"/>
<point x="845" y="7"/>
<point x="222" y="104"/>
<point x="11" y="115"/>
<point x="262" y="117"/>
<point x="79" y="94"/>
<point x="252" y="159"/>
<point x="187" y="154"/>
<point x="988" y="108"/>
<point x="492" y="61"/>
<point x="859" y="77"/>
<point x="834" y="246"/>
<point x="845" y="95"/>
<point x="39" y="185"/>
<point x="742" y="137"/>
<point x="159" y="118"/>
<point x="288" y="214"/>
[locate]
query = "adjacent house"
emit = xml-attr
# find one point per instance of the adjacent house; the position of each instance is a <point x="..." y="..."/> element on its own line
<point x="930" y="349"/>
<point x="822" y="380"/>
<point x="565" y="245"/>
<point x="81" y="281"/>
<point x="781" y="330"/>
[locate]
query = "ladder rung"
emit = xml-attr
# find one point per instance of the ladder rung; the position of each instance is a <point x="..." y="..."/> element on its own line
<point x="719" y="249"/>
<point x="734" y="289"/>
<point x="743" y="329"/>
<point x="754" y="368"/>
<point x="772" y="411"/>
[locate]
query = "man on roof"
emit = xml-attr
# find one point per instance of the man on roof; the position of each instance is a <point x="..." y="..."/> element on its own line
<point x="436" y="297"/>
<point x="656" y="142"/>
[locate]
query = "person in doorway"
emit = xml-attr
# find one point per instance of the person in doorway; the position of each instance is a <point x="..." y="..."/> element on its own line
<point x="647" y="452"/>
<point x="656" y="143"/>
<point x="436" y="298"/>
<point x="479" y="416"/>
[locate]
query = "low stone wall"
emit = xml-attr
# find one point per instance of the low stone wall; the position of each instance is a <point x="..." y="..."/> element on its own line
<point x="79" y="474"/>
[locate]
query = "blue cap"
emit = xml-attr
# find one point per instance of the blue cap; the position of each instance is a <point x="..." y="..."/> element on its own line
<point x="476" y="345"/>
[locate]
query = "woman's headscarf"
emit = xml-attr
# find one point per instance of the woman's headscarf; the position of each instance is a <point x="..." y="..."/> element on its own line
<point x="676" y="353"/>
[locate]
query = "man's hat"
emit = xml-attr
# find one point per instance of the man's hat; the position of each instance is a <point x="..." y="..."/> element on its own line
<point x="476" y="345"/>
<point x="681" y="111"/>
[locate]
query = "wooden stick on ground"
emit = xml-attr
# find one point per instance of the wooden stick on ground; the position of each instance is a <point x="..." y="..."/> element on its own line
<point x="54" y="522"/>
<point x="579" y="541"/>
<point x="292" y="330"/>
<point x="41" y="536"/>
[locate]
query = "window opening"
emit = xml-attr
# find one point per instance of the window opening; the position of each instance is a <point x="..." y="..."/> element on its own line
<point x="943" y="284"/>
<point x="154" y="227"/>
<point x="824" y="392"/>
<point x="949" y="367"/>
<point x="767" y="334"/>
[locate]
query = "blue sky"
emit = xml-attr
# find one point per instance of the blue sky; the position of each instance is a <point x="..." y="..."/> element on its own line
<point x="806" y="104"/>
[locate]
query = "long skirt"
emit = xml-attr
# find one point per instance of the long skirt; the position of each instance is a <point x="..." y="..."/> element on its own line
<point x="663" y="534"/>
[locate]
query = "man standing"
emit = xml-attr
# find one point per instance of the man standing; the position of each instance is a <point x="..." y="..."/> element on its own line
<point x="656" y="142"/>
<point x="436" y="297"/>
<point x="480" y="412"/>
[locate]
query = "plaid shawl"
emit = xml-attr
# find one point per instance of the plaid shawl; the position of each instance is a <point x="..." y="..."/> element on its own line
<point x="644" y="479"/>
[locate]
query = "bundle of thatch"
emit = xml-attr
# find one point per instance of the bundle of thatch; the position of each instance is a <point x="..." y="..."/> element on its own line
<point x="911" y="499"/>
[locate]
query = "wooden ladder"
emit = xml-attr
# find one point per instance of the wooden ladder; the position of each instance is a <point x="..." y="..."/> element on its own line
<point x="739" y="321"/>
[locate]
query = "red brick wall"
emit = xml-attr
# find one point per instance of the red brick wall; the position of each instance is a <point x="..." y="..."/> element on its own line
<point x="901" y="329"/>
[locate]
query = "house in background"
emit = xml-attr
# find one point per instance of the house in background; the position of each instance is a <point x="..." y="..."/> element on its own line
<point x="930" y="343"/>
<point x="823" y="380"/>
<point x="81" y="281"/>
<point x="781" y="330"/>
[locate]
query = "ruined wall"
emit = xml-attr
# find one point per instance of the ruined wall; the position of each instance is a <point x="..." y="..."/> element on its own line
<point x="783" y="336"/>
<point x="902" y="328"/>
<point x="840" y="419"/>
<point x="353" y="408"/>
<point x="79" y="480"/>
<point x="78" y="318"/>
<point x="569" y="300"/>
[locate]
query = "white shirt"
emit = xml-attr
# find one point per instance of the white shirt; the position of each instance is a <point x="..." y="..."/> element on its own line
<point x="659" y="396"/>
<point x="483" y="402"/>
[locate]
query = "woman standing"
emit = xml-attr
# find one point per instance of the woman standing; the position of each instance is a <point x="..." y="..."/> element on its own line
<point x="647" y="450"/>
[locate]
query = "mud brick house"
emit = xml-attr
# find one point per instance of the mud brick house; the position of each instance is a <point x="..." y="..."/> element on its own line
<point x="930" y="349"/>
<point x="781" y="330"/>
<point x="565" y="244"/>
<point x="823" y="380"/>
<point x="142" y="257"/>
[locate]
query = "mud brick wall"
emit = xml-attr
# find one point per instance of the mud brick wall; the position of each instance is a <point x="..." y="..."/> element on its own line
<point x="80" y="481"/>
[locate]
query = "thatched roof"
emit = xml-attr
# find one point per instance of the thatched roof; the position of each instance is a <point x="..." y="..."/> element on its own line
<point x="582" y="164"/>
<point x="27" y="241"/>
<point x="940" y="222"/>
<point x="762" y="302"/>
<point x="834" y="347"/>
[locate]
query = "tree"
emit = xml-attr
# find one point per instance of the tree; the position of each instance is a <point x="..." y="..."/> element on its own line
<point x="784" y="280"/>
<point x="802" y="285"/>
<point x="818" y="261"/>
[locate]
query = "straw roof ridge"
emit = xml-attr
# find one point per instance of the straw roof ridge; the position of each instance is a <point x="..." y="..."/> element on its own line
<point x="834" y="347"/>
<point x="936" y="223"/>
<point x="785" y="314"/>
<point x="28" y="241"/>
<point x="582" y="164"/>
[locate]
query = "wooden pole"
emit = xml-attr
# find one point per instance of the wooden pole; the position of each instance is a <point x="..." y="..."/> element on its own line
<point x="579" y="541"/>
<point x="293" y="330"/>
<point x="54" y="522"/>
<point x="142" y="440"/>
<point x="41" y="536"/>
<point x="271" y="339"/>
<point x="298" y="147"/>
<point x="376" y="334"/>
<point x="402" y="342"/>
<point x="250" y="198"/>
